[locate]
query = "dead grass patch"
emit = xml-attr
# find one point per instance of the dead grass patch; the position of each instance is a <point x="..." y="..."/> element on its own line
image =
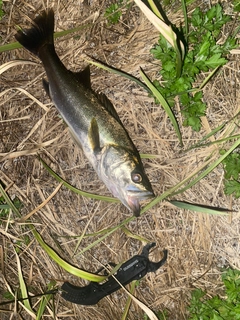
<point x="199" y="245"/>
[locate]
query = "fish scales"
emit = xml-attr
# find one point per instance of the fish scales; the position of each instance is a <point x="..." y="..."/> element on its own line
<point x="91" y="118"/>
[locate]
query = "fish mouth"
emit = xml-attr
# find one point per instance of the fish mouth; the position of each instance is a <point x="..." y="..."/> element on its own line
<point x="134" y="198"/>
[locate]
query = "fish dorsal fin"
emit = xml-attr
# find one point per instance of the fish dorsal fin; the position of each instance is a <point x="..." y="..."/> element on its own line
<point x="93" y="136"/>
<point x="83" y="77"/>
<point x="46" y="87"/>
<point x="108" y="106"/>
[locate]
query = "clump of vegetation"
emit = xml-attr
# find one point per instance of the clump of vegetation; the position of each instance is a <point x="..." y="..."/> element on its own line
<point x="216" y="308"/>
<point x="113" y="13"/>
<point x="204" y="54"/>
<point x="5" y="208"/>
<point x="236" y="4"/>
<point x="232" y="171"/>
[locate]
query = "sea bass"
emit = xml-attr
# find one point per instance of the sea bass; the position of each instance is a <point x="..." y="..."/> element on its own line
<point x="91" y="118"/>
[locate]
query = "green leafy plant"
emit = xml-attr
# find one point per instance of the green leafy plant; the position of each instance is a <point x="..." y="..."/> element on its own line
<point x="204" y="54"/>
<point x="217" y="308"/>
<point x="236" y="4"/>
<point x="113" y="13"/>
<point x="232" y="171"/>
<point x="5" y="208"/>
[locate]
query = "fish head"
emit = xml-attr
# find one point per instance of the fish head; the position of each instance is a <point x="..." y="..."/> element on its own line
<point x="123" y="173"/>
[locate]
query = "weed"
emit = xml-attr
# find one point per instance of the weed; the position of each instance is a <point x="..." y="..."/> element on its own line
<point x="232" y="171"/>
<point x="5" y="208"/>
<point x="236" y="4"/>
<point x="204" y="54"/>
<point x="113" y="13"/>
<point x="216" y="308"/>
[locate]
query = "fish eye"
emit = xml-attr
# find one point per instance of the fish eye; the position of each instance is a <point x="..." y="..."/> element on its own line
<point x="136" y="177"/>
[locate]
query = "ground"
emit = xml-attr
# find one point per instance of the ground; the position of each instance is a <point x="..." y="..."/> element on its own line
<point x="198" y="245"/>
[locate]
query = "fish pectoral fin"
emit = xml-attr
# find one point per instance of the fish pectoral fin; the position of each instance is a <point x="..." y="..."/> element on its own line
<point x="83" y="77"/>
<point x="46" y="87"/>
<point x="108" y="105"/>
<point x="93" y="136"/>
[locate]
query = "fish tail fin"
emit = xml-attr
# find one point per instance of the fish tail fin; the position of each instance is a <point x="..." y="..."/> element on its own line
<point x="40" y="34"/>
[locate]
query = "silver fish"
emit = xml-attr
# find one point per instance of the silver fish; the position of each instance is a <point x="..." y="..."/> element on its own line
<point x="91" y="118"/>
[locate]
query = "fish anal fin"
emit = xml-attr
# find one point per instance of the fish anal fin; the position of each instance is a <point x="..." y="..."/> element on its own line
<point x="93" y="136"/>
<point x="108" y="106"/>
<point x="83" y="77"/>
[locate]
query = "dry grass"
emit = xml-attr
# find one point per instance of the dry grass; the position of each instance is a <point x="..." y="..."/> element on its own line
<point x="29" y="125"/>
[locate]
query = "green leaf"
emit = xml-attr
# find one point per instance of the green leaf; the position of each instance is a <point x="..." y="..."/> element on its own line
<point x="203" y="50"/>
<point x="65" y="265"/>
<point x="236" y="4"/>
<point x="9" y="202"/>
<point x="78" y="191"/>
<point x="17" y="45"/>
<point x="226" y="308"/>
<point x="199" y="207"/>
<point x="215" y="61"/>
<point x="23" y="287"/>
<point x="163" y="102"/>
<point x="45" y="300"/>
<point x="196" y="18"/>
<point x="118" y="72"/>
<point x="113" y="13"/>
<point x="193" y="122"/>
<point x="232" y="187"/>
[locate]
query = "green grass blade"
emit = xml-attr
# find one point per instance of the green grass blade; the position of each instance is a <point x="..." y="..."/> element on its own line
<point x="230" y="135"/>
<point x="206" y="137"/>
<point x="206" y="144"/>
<point x="149" y="156"/>
<point x="17" y="45"/>
<point x="163" y="102"/>
<point x="206" y="80"/>
<point x="112" y="230"/>
<point x="129" y="234"/>
<point x="129" y="300"/>
<point x="8" y="200"/>
<point x="23" y="288"/>
<point x="159" y="24"/>
<point x="209" y="169"/>
<point x="179" y="58"/>
<point x="164" y="29"/>
<point x="184" y="10"/>
<point x="78" y="191"/>
<point x="155" y="9"/>
<point x="170" y="192"/>
<point x="10" y="46"/>
<point x="199" y="207"/>
<point x="174" y="190"/>
<point x="45" y="300"/>
<point x="65" y="265"/>
<point x="43" y="304"/>
<point x="119" y="72"/>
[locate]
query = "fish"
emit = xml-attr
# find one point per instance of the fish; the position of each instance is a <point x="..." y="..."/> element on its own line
<point x="91" y="117"/>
